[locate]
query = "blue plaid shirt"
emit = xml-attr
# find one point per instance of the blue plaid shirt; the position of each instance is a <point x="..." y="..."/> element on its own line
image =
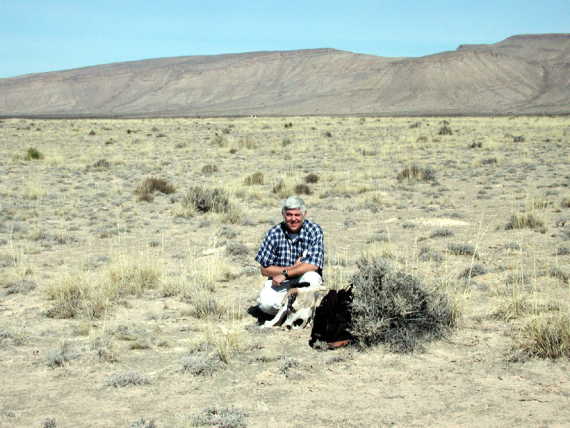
<point x="279" y="249"/>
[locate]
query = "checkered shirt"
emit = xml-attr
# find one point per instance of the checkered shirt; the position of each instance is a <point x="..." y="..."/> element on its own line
<point x="278" y="249"/>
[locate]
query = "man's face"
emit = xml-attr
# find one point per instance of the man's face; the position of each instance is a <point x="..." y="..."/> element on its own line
<point x="293" y="220"/>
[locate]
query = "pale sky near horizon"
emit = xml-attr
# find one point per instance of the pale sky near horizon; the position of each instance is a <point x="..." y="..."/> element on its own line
<point x="49" y="35"/>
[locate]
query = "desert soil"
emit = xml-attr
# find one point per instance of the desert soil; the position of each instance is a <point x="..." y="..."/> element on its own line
<point x="182" y="342"/>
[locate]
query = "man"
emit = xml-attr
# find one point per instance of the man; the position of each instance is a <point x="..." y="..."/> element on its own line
<point x="291" y="254"/>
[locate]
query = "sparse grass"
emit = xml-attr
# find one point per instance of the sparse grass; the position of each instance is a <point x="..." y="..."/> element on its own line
<point x="395" y="308"/>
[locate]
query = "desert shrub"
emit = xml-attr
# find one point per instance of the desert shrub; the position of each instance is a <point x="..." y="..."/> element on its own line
<point x="143" y="423"/>
<point x="209" y="169"/>
<point x="442" y="233"/>
<point x="489" y="161"/>
<point x="546" y="336"/>
<point x="473" y="271"/>
<point x="565" y="203"/>
<point x="61" y="355"/>
<point x="130" y="378"/>
<point x="200" y="364"/>
<point x="445" y="130"/>
<point x="150" y="185"/>
<point x="285" y="142"/>
<point x="219" y="140"/>
<point x="526" y="221"/>
<point x="461" y="249"/>
<point x="302" y="189"/>
<point x="416" y="173"/>
<point x="518" y="139"/>
<point x="101" y="164"/>
<point x="562" y="275"/>
<point x="476" y="145"/>
<point x="33" y="154"/>
<point x="236" y="249"/>
<point x="394" y="308"/>
<point x="49" y="423"/>
<point x="288" y="363"/>
<point x="221" y="417"/>
<point x="288" y="125"/>
<point x="22" y="286"/>
<point x="253" y="179"/>
<point x="206" y="200"/>
<point x="428" y="255"/>
<point x="311" y="178"/>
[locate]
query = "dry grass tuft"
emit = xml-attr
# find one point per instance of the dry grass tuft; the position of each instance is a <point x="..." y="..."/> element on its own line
<point x="206" y="200"/>
<point x="77" y="296"/>
<point x="256" y="178"/>
<point x="546" y="336"/>
<point x="526" y="221"/>
<point x="394" y="308"/>
<point x="415" y="173"/>
<point x="145" y="190"/>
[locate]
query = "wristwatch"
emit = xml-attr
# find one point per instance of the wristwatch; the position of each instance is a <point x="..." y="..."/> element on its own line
<point x="285" y="273"/>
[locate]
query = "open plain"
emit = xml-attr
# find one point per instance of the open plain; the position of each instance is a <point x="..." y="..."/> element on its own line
<point x="123" y="304"/>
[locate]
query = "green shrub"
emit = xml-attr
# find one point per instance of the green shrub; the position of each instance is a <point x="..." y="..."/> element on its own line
<point x="394" y="308"/>
<point x="33" y="154"/>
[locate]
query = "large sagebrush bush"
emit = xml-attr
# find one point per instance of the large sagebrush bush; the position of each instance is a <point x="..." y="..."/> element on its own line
<point x="395" y="308"/>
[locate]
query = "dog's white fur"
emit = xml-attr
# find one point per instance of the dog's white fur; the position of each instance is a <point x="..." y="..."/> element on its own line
<point x="302" y="311"/>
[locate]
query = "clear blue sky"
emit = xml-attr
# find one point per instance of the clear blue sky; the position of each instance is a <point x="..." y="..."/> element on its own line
<point x="47" y="35"/>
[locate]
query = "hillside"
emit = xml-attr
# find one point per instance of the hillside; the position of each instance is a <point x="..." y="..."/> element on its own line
<point x="521" y="75"/>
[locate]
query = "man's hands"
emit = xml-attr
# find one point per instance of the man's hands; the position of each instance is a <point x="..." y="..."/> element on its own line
<point x="278" y="279"/>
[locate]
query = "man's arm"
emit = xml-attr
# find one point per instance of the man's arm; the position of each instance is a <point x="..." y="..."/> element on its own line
<point x="296" y="270"/>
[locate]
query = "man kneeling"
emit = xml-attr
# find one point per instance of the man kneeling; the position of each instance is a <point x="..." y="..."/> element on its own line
<point x="291" y="256"/>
